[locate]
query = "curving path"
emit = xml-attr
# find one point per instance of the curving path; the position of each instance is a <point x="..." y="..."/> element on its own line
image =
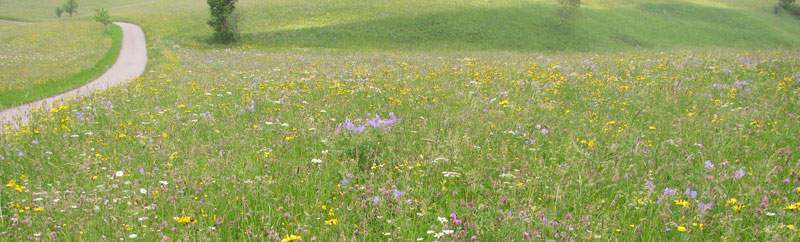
<point x="130" y="64"/>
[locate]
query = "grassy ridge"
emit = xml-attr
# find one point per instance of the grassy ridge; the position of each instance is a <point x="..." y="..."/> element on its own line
<point x="535" y="28"/>
<point x="35" y="91"/>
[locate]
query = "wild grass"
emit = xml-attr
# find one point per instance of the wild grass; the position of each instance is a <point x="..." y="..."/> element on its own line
<point x="243" y="144"/>
<point x="320" y="127"/>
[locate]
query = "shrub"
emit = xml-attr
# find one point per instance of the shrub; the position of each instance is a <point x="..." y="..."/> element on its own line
<point x="59" y="11"/>
<point x="224" y="20"/>
<point x="786" y="4"/>
<point x="101" y="16"/>
<point x="70" y="7"/>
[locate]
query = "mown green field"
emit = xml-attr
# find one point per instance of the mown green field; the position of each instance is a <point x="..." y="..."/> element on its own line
<point x="322" y="126"/>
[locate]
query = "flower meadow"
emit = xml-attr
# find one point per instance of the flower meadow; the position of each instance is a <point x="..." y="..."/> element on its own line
<point x="320" y="145"/>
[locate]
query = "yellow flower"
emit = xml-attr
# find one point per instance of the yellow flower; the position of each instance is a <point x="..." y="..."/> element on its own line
<point x="332" y="221"/>
<point x="791" y="207"/>
<point x="738" y="207"/>
<point x="533" y="208"/>
<point x="791" y="226"/>
<point x="681" y="228"/>
<point x="652" y="127"/>
<point x="504" y="102"/>
<point x="11" y="183"/>
<point x="683" y="203"/>
<point x="184" y="219"/>
<point x="38" y="209"/>
<point x="731" y="201"/>
<point x="291" y="238"/>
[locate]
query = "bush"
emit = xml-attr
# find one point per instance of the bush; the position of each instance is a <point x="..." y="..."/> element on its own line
<point x="101" y="16"/>
<point x="59" y="11"/>
<point x="70" y="7"/>
<point x="224" y="20"/>
<point x="786" y="4"/>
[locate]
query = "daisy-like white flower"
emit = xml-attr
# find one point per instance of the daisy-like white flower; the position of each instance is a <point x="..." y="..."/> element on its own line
<point x="143" y="191"/>
<point x="132" y="236"/>
<point x="316" y="161"/>
<point x="119" y="173"/>
<point x="442" y="219"/>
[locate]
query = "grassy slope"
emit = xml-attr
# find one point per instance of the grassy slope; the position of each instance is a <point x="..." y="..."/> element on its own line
<point x="38" y="90"/>
<point x="533" y="28"/>
<point x="471" y="25"/>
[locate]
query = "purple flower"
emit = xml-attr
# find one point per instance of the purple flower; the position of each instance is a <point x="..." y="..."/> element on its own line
<point x="344" y="181"/>
<point x="703" y="206"/>
<point x="649" y="185"/>
<point x="545" y="131"/>
<point x="740" y="173"/>
<point x="709" y="165"/>
<point x="398" y="193"/>
<point x="690" y="193"/>
<point x="669" y="191"/>
<point x="375" y="200"/>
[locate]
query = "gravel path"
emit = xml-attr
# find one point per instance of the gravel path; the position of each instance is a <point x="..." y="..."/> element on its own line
<point x="130" y="64"/>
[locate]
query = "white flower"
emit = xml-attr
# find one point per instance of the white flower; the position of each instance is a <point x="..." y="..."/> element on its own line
<point x="163" y="182"/>
<point x="387" y="233"/>
<point x="419" y="239"/>
<point x="451" y="174"/>
<point x="447" y="231"/>
<point x="316" y="161"/>
<point x="770" y="214"/>
<point x="507" y="175"/>
<point x="132" y="236"/>
<point x="442" y="219"/>
<point x="269" y="123"/>
<point x="143" y="191"/>
<point x="438" y="235"/>
<point x="119" y="173"/>
<point x="285" y="125"/>
<point x="430" y="232"/>
<point x="325" y="152"/>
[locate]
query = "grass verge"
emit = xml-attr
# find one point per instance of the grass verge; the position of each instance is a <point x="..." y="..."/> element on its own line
<point x="55" y="86"/>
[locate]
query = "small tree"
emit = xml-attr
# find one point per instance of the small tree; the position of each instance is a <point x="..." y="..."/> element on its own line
<point x="224" y="20"/>
<point x="70" y="7"/>
<point x="59" y="11"/>
<point x="101" y="16"/>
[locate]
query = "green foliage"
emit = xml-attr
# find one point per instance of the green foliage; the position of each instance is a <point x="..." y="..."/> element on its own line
<point x="363" y="151"/>
<point x="101" y="16"/>
<point x="224" y="20"/>
<point x="59" y="11"/>
<point x="786" y="4"/>
<point x="70" y="7"/>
